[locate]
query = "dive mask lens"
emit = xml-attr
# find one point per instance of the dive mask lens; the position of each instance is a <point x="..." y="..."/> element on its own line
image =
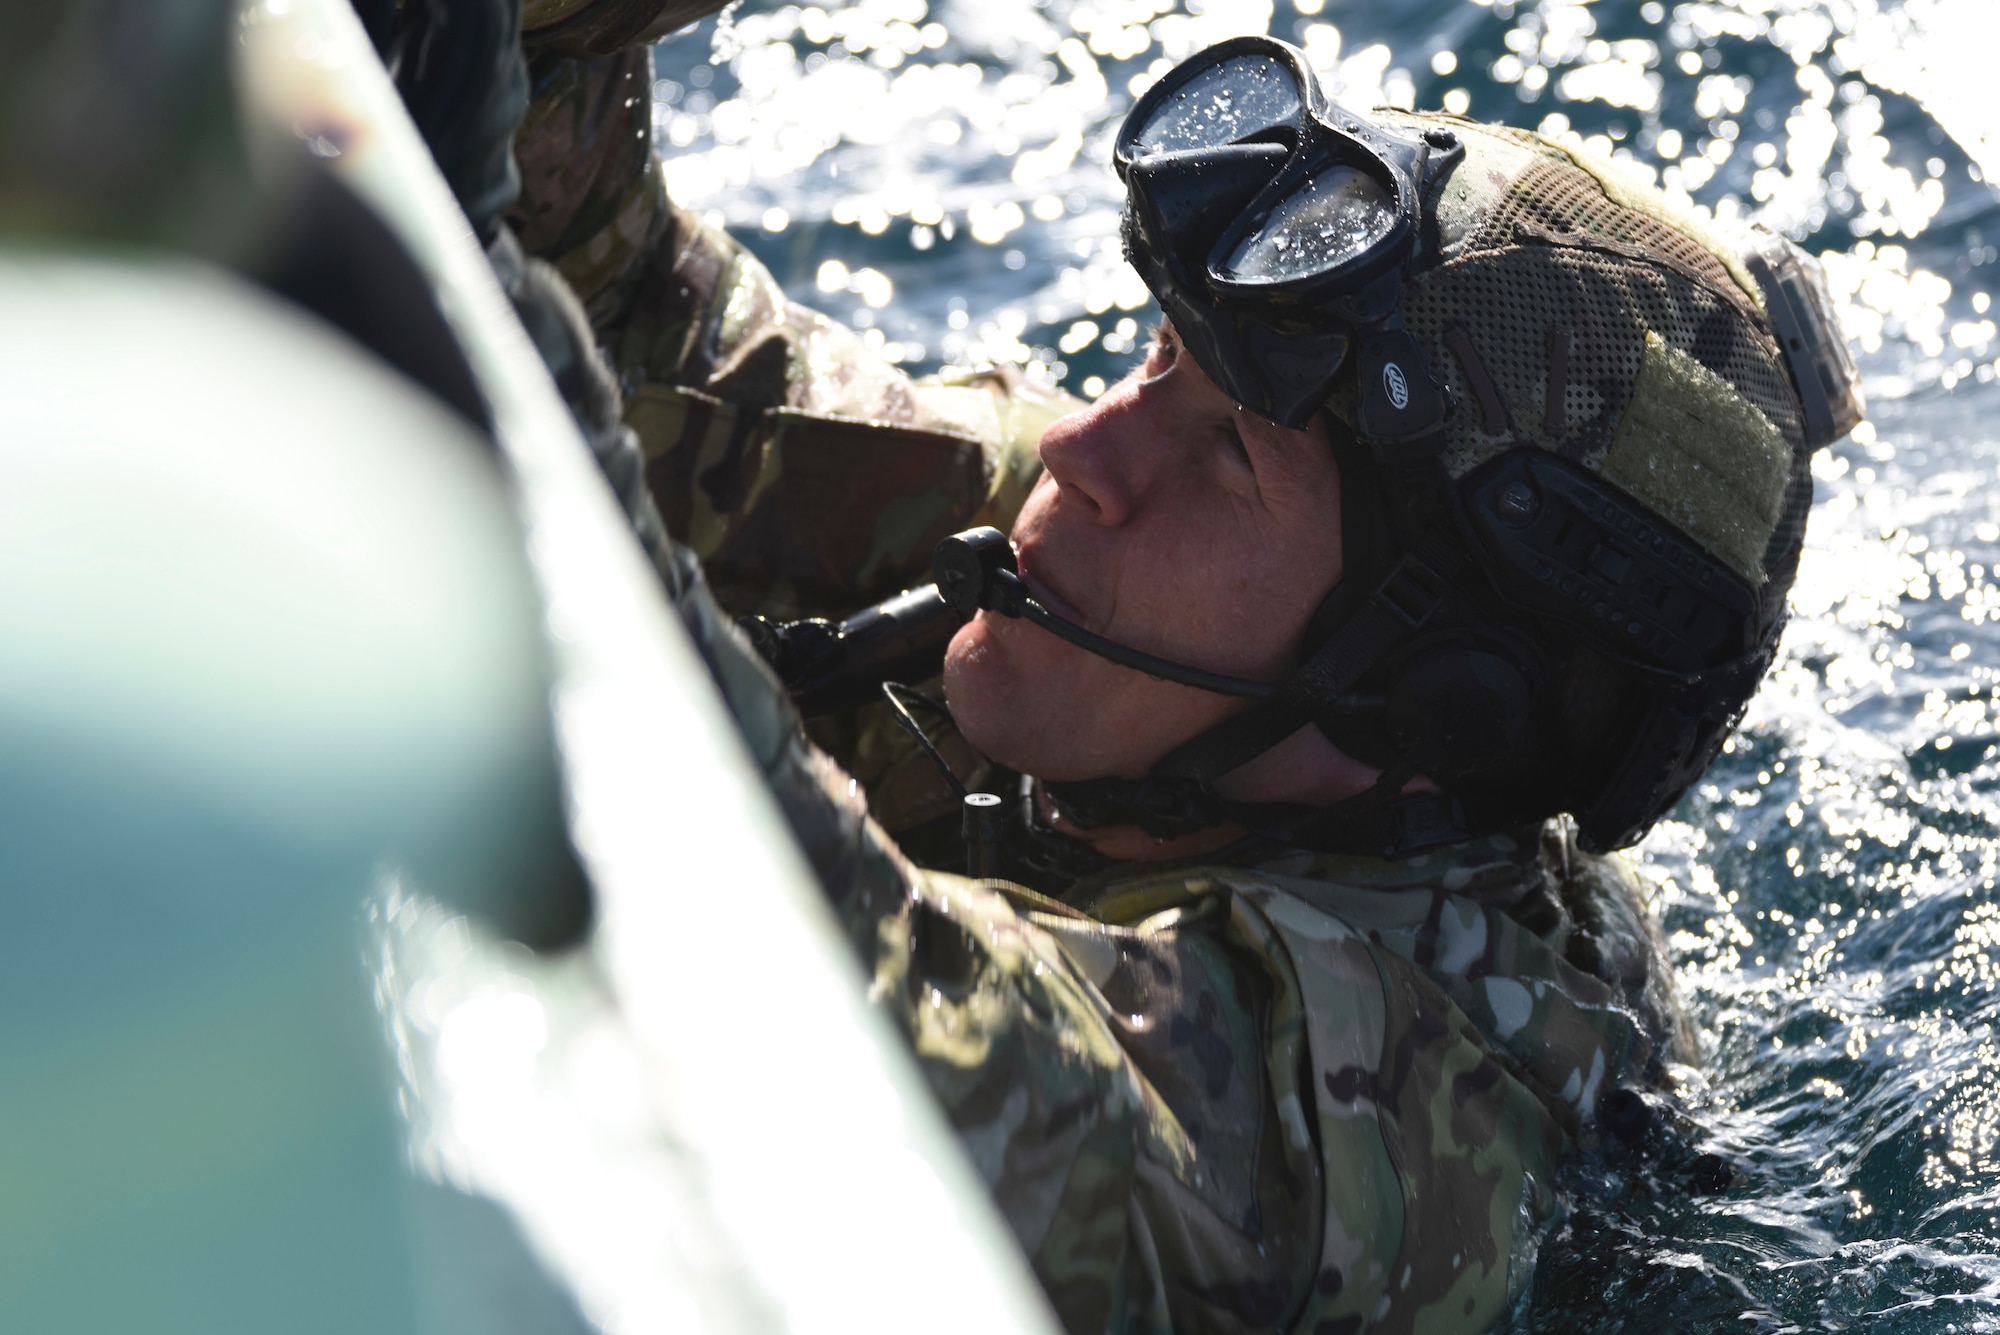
<point x="1238" y="167"/>
<point x="1331" y="219"/>
<point x="1267" y="220"/>
<point x="1229" y="100"/>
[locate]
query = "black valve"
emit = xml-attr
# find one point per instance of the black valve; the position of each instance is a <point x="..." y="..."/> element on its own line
<point x="975" y="570"/>
<point x="981" y="822"/>
<point x="965" y="566"/>
<point x="827" y="666"/>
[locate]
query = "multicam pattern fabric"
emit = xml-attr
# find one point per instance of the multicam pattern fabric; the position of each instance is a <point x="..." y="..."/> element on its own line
<point x="811" y="476"/>
<point x="1315" y="1096"/>
<point x="808" y="474"/>
<point x="1559" y="288"/>
<point x="591" y="199"/>
<point x="1295" y="1093"/>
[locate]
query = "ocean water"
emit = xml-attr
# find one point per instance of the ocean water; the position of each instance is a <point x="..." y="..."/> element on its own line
<point x="936" y="174"/>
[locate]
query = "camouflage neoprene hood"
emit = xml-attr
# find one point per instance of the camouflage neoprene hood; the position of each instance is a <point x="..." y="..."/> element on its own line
<point x="1573" y="425"/>
<point x="1586" y="332"/>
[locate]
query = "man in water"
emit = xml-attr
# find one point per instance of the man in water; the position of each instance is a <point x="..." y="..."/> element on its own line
<point x="1448" y="523"/>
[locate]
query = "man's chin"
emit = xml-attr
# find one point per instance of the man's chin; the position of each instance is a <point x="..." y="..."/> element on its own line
<point x="1008" y="687"/>
<point x="985" y="689"/>
<point x="1020" y="697"/>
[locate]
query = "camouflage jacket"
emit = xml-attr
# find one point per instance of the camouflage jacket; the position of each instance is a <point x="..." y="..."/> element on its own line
<point x="1295" y="1092"/>
<point x="808" y="474"/>
<point x="1300" y="1093"/>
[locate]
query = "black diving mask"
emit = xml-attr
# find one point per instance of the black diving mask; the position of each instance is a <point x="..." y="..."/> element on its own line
<point x="1273" y="224"/>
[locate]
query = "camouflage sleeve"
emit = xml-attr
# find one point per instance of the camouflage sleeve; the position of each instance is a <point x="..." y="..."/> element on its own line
<point x="1616" y="939"/>
<point x="458" y="66"/>
<point x="1231" y="1099"/>
<point x="810" y="475"/>
<point x="1118" y="1088"/>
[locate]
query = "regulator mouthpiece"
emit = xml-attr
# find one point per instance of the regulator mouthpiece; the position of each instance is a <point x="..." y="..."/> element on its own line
<point x="975" y="571"/>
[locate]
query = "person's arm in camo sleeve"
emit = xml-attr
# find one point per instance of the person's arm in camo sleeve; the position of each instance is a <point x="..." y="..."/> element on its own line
<point x="459" y="67"/>
<point x="811" y="476"/>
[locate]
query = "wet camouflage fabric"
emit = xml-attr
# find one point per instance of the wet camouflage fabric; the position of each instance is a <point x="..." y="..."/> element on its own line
<point x="811" y="476"/>
<point x="1582" y="314"/>
<point x="591" y="199"/>
<point x="1314" y="1094"/>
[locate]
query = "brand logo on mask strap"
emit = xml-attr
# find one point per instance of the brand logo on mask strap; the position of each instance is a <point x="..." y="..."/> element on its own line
<point x="1396" y="386"/>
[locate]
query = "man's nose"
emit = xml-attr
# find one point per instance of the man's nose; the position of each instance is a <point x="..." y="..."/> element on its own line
<point x="1100" y="456"/>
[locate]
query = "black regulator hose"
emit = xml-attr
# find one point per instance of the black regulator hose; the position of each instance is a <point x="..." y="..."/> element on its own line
<point x="975" y="569"/>
<point x="828" y="665"/>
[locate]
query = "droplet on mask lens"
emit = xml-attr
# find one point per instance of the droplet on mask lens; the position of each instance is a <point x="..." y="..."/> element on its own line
<point x="1335" y="217"/>
<point x="1221" y="104"/>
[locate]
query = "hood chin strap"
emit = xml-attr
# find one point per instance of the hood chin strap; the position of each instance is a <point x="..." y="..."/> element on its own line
<point x="1381" y="822"/>
<point x="1177" y="796"/>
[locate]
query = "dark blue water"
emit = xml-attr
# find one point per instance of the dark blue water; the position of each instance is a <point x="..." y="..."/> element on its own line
<point x="937" y="175"/>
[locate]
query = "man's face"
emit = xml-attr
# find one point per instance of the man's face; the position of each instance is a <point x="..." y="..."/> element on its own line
<point x="1168" y="520"/>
